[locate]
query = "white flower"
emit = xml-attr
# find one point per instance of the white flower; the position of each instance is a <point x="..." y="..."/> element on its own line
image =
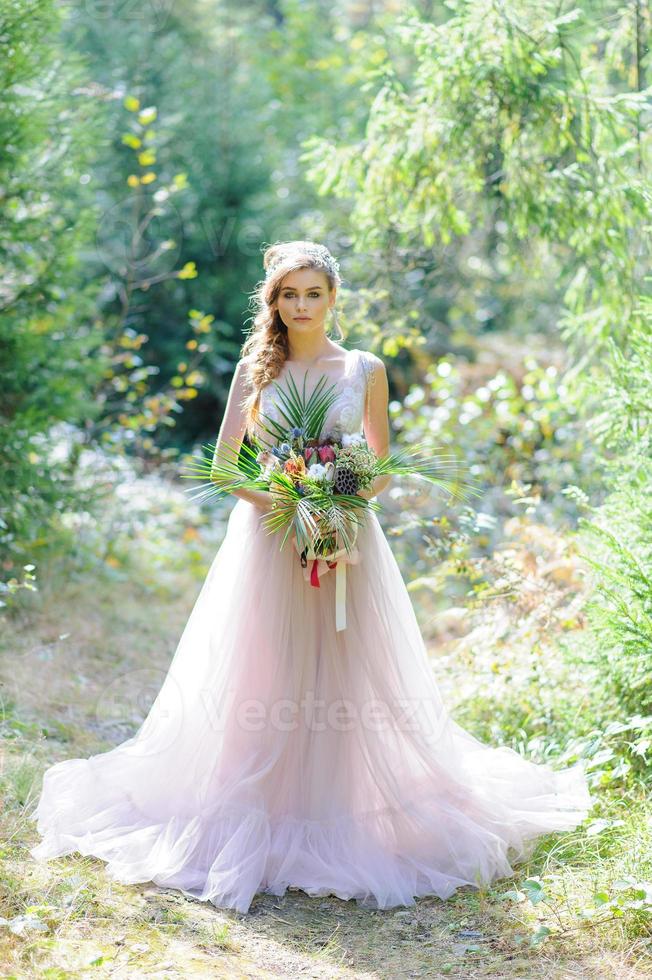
<point x="270" y="467"/>
<point x="324" y="472"/>
<point x="352" y="439"/>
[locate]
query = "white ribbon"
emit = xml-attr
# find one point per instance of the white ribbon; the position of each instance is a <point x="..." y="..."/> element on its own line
<point x="319" y="565"/>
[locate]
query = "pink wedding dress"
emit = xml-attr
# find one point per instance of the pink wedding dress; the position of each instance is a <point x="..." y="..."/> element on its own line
<point x="283" y="752"/>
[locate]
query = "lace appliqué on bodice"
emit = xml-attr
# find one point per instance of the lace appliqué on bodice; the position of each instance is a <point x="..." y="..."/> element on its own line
<point x="347" y="411"/>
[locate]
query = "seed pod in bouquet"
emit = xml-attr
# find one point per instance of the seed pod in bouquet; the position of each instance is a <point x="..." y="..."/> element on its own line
<point x="345" y="481"/>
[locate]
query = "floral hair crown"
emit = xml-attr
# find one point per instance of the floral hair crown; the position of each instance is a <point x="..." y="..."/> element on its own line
<point x="317" y="252"/>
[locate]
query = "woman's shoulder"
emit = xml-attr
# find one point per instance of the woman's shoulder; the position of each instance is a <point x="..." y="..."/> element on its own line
<point x="245" y="364"/>
<point x="370" y="361"/>
<point x="242" y="371"/>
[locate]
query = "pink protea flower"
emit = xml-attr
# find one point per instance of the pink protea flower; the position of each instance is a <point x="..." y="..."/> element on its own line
<point x="326" y="454"/>
<point x="309" y="452"/>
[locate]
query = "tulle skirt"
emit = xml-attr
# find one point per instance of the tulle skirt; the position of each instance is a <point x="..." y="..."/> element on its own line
<point x="281" y="751"/>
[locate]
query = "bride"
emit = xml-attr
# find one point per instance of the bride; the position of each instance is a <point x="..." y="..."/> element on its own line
<point x="281" y="751"/>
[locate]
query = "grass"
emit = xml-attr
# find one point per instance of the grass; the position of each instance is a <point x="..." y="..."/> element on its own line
<point x="559" y="917"/>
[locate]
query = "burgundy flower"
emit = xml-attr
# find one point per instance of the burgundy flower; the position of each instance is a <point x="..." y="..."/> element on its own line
<point x="308" y="453"/>
<point x="326" y="454"/>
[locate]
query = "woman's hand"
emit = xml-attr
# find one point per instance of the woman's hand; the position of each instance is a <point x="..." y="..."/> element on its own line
<point x="262" y="499"/>
<point x="379" y="483"/>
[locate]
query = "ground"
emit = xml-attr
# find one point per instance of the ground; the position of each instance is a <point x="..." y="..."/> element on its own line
<point x="68" y="646"/>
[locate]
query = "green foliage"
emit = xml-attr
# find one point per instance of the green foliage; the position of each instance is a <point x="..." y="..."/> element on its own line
<point x="618" y="546"/>
<point x="135" y="247"/>
<point x="495" y="114"/>
<point x="506" y="427"/>
<point x="202" y="68"/>
<point x="516" y="430"/>
<point x="528" y="122"/>
<point x="618" y="536"/>
<point x="46" y="129"/>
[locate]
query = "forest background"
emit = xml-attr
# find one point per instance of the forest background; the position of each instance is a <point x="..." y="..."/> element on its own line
<point x="482" y="171"/>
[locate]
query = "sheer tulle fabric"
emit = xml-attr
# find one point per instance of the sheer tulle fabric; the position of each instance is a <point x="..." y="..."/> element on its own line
<point x="280" y="751"/>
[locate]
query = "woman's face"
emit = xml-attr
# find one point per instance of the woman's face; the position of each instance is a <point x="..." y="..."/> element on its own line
<point x="304" y="300"/>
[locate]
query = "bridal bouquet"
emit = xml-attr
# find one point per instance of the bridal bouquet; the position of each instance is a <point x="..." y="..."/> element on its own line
<point x="315" y="482"/>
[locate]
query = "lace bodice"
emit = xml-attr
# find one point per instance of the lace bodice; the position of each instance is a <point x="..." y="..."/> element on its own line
<point x="346" y="412"/>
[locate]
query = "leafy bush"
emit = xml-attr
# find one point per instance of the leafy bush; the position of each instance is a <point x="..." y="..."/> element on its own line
<point x="618" y="543"/>
<point x="517" y="434"/>
<point x="46" y="336"/>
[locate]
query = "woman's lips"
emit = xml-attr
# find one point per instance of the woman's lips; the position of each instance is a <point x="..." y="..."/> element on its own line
<point x="302" y="318"/>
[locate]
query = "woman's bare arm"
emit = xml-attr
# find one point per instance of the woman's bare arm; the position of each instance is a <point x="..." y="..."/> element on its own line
<point x="376" y="421"/>
<point x="232" y="431"/>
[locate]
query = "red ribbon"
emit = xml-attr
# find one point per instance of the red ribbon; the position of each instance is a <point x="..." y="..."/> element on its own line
<point x="314" y="571"/>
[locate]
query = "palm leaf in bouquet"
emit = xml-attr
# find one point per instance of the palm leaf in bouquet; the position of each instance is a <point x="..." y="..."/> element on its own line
<point x="236" y="467"/>
<point x="300" y="411"/>
<point x="227" y="467"/>
<point x="314" y="517"/>
<point x="420" y="463"/>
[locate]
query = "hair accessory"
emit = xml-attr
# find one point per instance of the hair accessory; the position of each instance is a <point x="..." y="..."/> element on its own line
<point x="319" y="253"/>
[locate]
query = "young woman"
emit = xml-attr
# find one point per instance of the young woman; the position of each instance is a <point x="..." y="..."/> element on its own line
<point x="281" y="751"/>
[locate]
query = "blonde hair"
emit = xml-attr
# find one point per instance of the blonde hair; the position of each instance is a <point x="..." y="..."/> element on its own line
<point x="267" y="347"/>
